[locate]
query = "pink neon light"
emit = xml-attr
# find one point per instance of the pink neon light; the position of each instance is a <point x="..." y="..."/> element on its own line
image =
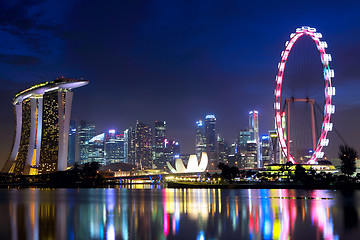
<point x="325" y="58"/>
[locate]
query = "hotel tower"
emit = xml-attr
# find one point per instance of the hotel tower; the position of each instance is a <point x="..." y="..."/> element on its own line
<point x="42" y="119"/>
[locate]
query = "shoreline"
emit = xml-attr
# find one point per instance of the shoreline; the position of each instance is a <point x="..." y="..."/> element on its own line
<point x="348" y="186"/>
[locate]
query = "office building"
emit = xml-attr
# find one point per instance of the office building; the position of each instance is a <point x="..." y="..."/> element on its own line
<point x="223" y="150"/>
<point x="160" y="136"/>
<point x="265" y="146"/>
<point x="210" y="136"/>
<point x="114" y="147"/>
<point x="254" y="128"/>
<point x="86" y="131"/>
<point x="200" y="139"/>
<point x="143" y="146"/>
<point x="72" y="143"/>
<point x="172" y="150"/>
<point x="96" y="149"/>
<point x="42" y="115"/>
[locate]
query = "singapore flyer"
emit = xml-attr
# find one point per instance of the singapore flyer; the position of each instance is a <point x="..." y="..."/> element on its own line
<point x="329" y="108"/>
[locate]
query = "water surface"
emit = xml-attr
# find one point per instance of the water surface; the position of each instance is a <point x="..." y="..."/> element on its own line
<point x="178" y="214"/>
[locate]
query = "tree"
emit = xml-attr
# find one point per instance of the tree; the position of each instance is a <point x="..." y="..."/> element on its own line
<point x="286" y="168"/>
<point x="348" y="156"/>
<point x="300" y="173"/>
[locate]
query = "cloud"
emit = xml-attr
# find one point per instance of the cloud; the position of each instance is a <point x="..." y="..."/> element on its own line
<point x="19" y="59"/>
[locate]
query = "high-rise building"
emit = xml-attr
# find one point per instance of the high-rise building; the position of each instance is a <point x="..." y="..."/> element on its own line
<point x="126" y="146"/>
<point x="254" y="128"/>
<point x="172" y="150"/>
<point x="274" y="150"/>
<point x="243" y="136"/>
<point x="96" y="149"/>
<point x="223" y="150"/>
<point x="265" y="150"/>
<point x="210" y="136"/>
<point x="86" y="131"/>
<point x="42" y="115"/>
<point x="200" y="139"/>
<point x="143" y="146"/>
<point x="72" y="143"/>
<point x="160" y="136"/>
<point x="131" y="145"/>
<point x="114" y="147"/>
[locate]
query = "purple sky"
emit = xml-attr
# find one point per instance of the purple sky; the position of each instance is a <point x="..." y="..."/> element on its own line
<point x="173" y="60"/>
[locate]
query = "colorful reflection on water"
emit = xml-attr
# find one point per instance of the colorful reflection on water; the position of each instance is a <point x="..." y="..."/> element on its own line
<point x="178" y="214"/>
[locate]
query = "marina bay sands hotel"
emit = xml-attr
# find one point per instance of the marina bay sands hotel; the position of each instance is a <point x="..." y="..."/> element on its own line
<point x="42" y="119"/>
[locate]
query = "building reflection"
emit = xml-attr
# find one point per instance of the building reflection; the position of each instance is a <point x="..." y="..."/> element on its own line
<point x="169" y="213"/>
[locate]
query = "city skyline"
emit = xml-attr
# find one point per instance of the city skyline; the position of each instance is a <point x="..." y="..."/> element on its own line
<point x="172" y="61"/>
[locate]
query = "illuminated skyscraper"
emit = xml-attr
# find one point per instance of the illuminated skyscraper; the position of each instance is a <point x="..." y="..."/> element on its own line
<point x="143" y="146"/>
<point x="96" y="149"/>
<point x="265" y="150"/>
<point x="72" y="142"/>
<point x="172" y="150"/>
<point x="223" y="149"/>
<point x="42" y="115"/>
<point x="130" y="136"/>
<point x="160" y="136"/>
<point x="200" y="139"/>
<point x="114" y="147"/>
<point x="86" y="131"/>
<point x="254" y="128"/>
<point x="210" y="136"/>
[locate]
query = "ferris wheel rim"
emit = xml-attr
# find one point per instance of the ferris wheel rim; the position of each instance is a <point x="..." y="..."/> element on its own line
<point x="329" y="92"/>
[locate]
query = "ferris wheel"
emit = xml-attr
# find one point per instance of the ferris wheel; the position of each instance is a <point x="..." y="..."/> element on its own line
<point x="329" y="108"/>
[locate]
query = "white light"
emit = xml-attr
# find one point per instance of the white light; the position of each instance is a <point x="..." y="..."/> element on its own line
<point x="279" y="80"/>
<point x="329" y="73"/>
<point x="282" y="66"/>
<point x="327" y="57"/>
<point x="323" y="44"/>
<point x="328" y="127"/>
<point x="292" y="35"/>
<point x="324" y="142"/>
<point x="298" y="30"/>
<point x="319" y="155"/>
<point x="277" y="106"/>
<point x="286" y="43"/>
<point x="330" y="109"/>
<point x="51" y="89"/>
<point x="318" y="35"/>
<point x="331" y="91"/>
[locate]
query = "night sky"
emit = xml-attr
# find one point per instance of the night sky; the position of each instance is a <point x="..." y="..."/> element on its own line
<point x="173" y="60"/>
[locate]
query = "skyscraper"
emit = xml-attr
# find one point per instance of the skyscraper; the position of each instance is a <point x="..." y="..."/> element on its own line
<point x="243" y="136"/>
<point x="42" y="115"/>
<point x="72" y="143"/>
<point x="254" y="127"/>
<point x="86" y="131"/>
<point x="114" y="147"/>
<point x="131" y="145"/>
<point x="265" y="150"/>
<point x="143" y="146"/>
<point x="172" y="150"/>
<point x="96" y="149"/>
<point x="223" y="150"/>
<point x="200" y="139"/>
<point x="160" y="136"/>
<point x="210" y="136"/>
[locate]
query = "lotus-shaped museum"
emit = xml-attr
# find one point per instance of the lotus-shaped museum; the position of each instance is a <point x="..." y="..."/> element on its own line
<point x="194" y="165"/>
